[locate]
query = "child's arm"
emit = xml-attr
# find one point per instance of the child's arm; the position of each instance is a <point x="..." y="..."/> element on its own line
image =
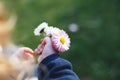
<point x="52" y="67"/>
<point x="55" y="68"/>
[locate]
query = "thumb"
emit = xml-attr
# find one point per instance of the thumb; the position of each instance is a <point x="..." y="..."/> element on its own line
<point x="48" y="49"/>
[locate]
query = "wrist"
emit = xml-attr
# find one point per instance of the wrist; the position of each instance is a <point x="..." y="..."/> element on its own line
<point x="43" y="56"/>
<point x="49" y="58"/>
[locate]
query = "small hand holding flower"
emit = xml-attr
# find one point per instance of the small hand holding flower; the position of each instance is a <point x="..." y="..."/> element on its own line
<point x="55" y="41"/>
<point x="46" y="49"/>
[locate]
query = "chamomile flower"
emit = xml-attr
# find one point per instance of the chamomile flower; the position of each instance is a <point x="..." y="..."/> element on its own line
<point x="40" y="28"/>
<point x="51" y="30"/>
<point x="59" y="38"/>
<point x="60" y="41"/>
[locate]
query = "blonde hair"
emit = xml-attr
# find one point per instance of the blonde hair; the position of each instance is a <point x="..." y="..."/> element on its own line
<point x="7" y="19"/>
<point x="6" y="70"/>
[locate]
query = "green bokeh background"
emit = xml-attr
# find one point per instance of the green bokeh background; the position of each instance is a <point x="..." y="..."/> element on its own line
<point x="95" y="48"/>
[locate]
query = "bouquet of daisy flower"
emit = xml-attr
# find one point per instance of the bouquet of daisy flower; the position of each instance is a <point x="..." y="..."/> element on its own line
<point x="59" y="38"/>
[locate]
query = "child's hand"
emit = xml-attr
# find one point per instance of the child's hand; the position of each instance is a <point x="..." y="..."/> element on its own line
<point x="46" y="49"/>
<point x="22" y="59"/>
<point x="24" y="53"/>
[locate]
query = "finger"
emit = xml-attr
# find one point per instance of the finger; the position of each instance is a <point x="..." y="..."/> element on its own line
<point x="28" y="56"/>
<point x="24" y="49"/>
<point x="40" y="47"/>
<point x="30" y="51"/>
<point x="43" y="42"/>
<point x="24" y="53"/>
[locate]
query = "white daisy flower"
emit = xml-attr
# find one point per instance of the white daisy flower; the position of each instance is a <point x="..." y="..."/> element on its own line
<point x="39" y="29"/>
<point x="51" y="30"/>
<point x="60" y="41"/>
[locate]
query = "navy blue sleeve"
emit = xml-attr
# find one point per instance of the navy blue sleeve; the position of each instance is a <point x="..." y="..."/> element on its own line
<point x="55" y="68"/>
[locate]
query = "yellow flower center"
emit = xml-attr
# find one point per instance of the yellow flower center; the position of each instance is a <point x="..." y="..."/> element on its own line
<point x="62" y="40"/>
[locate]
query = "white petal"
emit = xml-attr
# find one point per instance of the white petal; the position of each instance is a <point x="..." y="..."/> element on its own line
<point x="50" y="30"/>
<point x="36" y="32"/>
<point x="39" y="28"/>
<point x="65" y="47"/>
